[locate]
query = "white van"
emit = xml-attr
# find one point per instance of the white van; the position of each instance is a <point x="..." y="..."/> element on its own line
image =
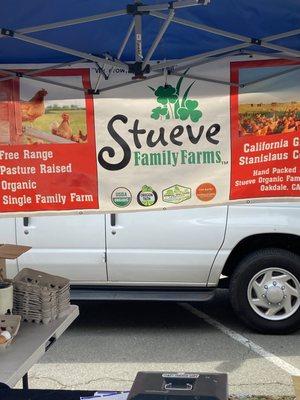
<point x="176" y="255"/>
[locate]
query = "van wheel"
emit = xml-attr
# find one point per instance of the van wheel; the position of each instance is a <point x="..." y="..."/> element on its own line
<point x="265" y="290"/>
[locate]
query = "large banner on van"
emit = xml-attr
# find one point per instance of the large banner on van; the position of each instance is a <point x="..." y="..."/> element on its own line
<point x="167" y="142"/>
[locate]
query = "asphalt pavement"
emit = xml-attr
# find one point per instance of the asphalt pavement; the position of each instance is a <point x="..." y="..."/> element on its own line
<point x="111" y="341"/>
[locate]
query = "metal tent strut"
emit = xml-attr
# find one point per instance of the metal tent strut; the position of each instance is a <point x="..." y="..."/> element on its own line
<point x="12" y="74"/>
<point x="120" y="52"/>
<point x="141" y="66"/>
<point x="67" y="50"/>
<point x="158" y="38"/>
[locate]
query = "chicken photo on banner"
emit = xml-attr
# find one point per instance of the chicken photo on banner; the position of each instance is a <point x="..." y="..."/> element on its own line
<point x="33" y="108"/>
<point x="44" y="113"/>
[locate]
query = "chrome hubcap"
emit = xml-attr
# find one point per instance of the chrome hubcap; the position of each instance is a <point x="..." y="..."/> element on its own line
<point x="274" y="294"/>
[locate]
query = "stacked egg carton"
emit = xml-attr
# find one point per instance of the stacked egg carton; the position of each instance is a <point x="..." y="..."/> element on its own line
<point x="40" y="297"/>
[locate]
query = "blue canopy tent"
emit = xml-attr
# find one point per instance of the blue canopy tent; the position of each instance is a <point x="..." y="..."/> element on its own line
<point x="129" y="34"/>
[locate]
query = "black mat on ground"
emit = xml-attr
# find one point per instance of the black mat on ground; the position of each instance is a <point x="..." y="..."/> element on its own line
<point x="37" y="394"/>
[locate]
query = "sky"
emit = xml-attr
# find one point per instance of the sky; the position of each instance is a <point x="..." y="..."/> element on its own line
<point x="280" y="89"/>
<point x="56" y="94"/>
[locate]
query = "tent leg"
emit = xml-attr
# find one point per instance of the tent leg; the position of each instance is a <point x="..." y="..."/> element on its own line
<point x="25" y="382"/>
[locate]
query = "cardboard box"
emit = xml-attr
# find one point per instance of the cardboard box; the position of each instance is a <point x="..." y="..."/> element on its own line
<point x="9" y="251"/>
<point x="296" y="381"/>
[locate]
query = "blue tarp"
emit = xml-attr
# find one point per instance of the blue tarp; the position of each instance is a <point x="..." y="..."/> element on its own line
<point x="255" y="19"/>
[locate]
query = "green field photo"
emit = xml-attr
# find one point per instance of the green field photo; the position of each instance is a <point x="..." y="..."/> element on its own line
<point x="50" y="122"/>
<point x="77" y="120"/>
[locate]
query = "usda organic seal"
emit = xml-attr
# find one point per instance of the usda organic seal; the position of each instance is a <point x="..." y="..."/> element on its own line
<point x="121" y="197"/>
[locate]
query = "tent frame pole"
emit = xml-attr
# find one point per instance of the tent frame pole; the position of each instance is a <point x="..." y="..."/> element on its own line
<point x="200" y="56"/>
<point x="235" y="53"/>
<point x="158" y="38"/>
<point x="280" y="48"/>
<point x="138" y="35"/>
<point x="76" y="53"/>
<point x="126" y="38"/>
<point x="270" y="77"/>
<point x="120" y="52"/>
<point x="282" y="35"/>
<point x="223" y="33"/>
<point x="274" y="55"/>
<point x="70" y="22"/>
<point x="111" y="14"/>
<point x="202" y="27"/>
<point x="36" y="71"/>
<point x="14" y="74"/>
<point x="173" y="4"/>
<point x="265" y="42"/>
<point x="64" y="85"/>
<point x="141" y="65"/>
<point x="102" y="75"/>
<point x="204" y="79"/>
<point x="132" y="82"/>
<point x="210" y="60"/>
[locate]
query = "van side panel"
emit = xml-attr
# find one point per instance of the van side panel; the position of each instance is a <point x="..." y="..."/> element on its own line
<point x="174" y="247"/>
<point x="247" y="220"/>
<point x="72" y="246"/>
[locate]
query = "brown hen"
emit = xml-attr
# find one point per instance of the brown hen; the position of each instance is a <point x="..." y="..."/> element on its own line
<point x="33" y="108"/>
<point x="64" y="129"/>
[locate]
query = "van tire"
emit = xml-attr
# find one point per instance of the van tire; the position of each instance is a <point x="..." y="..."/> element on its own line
<point x="246" y="292"/>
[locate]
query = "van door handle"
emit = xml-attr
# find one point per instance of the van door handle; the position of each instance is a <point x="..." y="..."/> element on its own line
<point x="113" y="219"/>
<point x="25" y="221"/>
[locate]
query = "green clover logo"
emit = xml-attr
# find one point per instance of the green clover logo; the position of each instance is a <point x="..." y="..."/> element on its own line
<point x="172" y="105"/>
<point x="166" y="94"/>
<point x="160" y="112"/>
<point x="190" y="111"/>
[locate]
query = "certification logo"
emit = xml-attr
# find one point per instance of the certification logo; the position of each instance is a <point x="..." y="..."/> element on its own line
<point x="147" y="197"/>
<point x="121" y="197"/>
<point x="206" y="191"/>
<point x="176" y="194"/>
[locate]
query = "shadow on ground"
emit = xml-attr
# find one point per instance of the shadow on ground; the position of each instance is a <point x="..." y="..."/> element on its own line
<point x="157" y="332"/>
